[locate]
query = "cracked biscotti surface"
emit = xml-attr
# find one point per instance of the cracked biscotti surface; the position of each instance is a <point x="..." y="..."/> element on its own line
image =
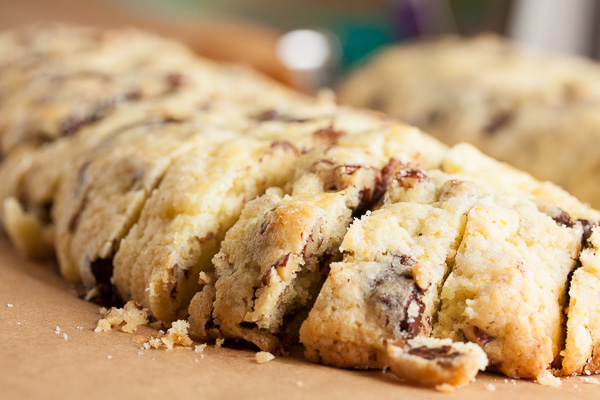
<point x="537" y="112"/>
<point x="265" y="216"/>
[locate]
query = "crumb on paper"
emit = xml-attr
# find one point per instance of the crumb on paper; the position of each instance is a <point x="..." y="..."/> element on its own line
<point x="103" y="326"/>
<point x="132" y="314"/>
<point x="79" y="328"/>
<point x="102" y="310"/>
<point x="109" y="357"/>
<point x="506" y="381"/>
<point x="547" y="379"/>
<point x="155" y="343"/>
<point x="200" y="348"/>
<point x="219" y="343"/>
<point x="490" y="387"/>
<point x="593" y="381"/>
<point x="177" y="335"/>
<point x="57" y="330"/>
<point x="65" y="336"/>
<point x="263" y="357"/>
<point x="140" y="353"/>
<point x="587" y="372"/>
<point x="299" y="383"/>
<point x="445" y="388"/>
<point x="9" y="305"/>
<point x="18" y="323"/>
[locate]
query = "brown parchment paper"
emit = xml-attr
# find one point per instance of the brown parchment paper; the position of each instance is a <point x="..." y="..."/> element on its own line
<point x="37" y="363"/>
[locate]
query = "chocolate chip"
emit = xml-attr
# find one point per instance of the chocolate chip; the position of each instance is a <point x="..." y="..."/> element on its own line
<point x="403" y="259"/>
<point x="175" y="81"/>
<point x="587" y="226"/>
<point x="275" y="115"/>
<point x="72" y="123"/>
<point x="563" y="219"/>
<point x="263" y="227"/>
<point x="443" y="354"/>
<point x="498" y="122"/>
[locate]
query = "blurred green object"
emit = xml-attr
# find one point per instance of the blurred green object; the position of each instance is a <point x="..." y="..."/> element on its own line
<point x="360" y="26"/>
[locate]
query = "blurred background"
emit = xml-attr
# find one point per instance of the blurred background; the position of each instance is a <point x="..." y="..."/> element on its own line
<point x="309" y="43"/>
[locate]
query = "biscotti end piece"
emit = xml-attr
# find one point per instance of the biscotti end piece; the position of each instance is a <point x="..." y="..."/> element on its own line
<point x="433" y="362"/>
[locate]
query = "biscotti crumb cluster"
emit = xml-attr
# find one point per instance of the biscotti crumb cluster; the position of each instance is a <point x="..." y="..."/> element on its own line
<point x="226" y="205"/>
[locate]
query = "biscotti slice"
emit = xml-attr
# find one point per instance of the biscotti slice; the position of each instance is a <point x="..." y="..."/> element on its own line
<point x="185" y="219"/>
<point x="102" y="198"/>
<point x="432" y="362"/>
<point x="508" y="285"/>
<point x="581" y="353"/>
<point x="68" y="85"/>
<point x="272" y="263"/>
<point x="395" y="261"/>
<point x="466" y="160"/>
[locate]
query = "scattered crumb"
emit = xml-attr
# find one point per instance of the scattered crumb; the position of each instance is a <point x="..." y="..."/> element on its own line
<point x="201" y="356"/>
<point x="384" y="369"/>
<point x="57" y="331"/>
<point x="196" y="360"/>
<point x="593" y="381"/>
<point x="445" y="388"/>
<point x="132" y="314"/>
<point x="80" y="328"/>
<point x="575" y="386"/>
<point x="65" y="336"/>
<point x="103" y="326"/>
<point x="219" y="343"/>
<point x="18" y="323"/>
<point x="9" y="305"/>
<point x="200" y="348"/>
<point x="102" y="310"/>
<point x="109" y="357"/>
<point x="587" y="372"/>
<point x="513" y="381"/>
<point x="491" y="387"/>
<point x="299" y="383"/>
<point x="506" y="381"/>
<point x="263" y="357"/>
<point x="146" y="346"/>
<point x="547" y="379"/>
<point x="155" y="343"/>
<point x="177" y="334"/>
<point x="140" y="353"/>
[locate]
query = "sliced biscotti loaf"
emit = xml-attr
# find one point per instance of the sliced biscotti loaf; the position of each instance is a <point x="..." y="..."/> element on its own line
<point x="273" y="261"/>
<point x="538" y="112"/>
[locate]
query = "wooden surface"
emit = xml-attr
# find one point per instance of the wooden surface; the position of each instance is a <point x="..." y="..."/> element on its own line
<point x="36" y="363"/>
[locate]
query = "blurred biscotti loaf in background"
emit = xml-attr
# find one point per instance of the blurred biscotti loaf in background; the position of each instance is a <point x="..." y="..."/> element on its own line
<point x="536" y="111"/>
<point x="207" y="192"/>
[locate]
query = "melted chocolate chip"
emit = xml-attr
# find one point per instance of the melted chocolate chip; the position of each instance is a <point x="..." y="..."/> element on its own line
<point x="498" y="122"/>
<point x="434" y="353"/>
<point x="275" y="115"/>
<point x="563" y="219"/>
<point x="587" y="232"/>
